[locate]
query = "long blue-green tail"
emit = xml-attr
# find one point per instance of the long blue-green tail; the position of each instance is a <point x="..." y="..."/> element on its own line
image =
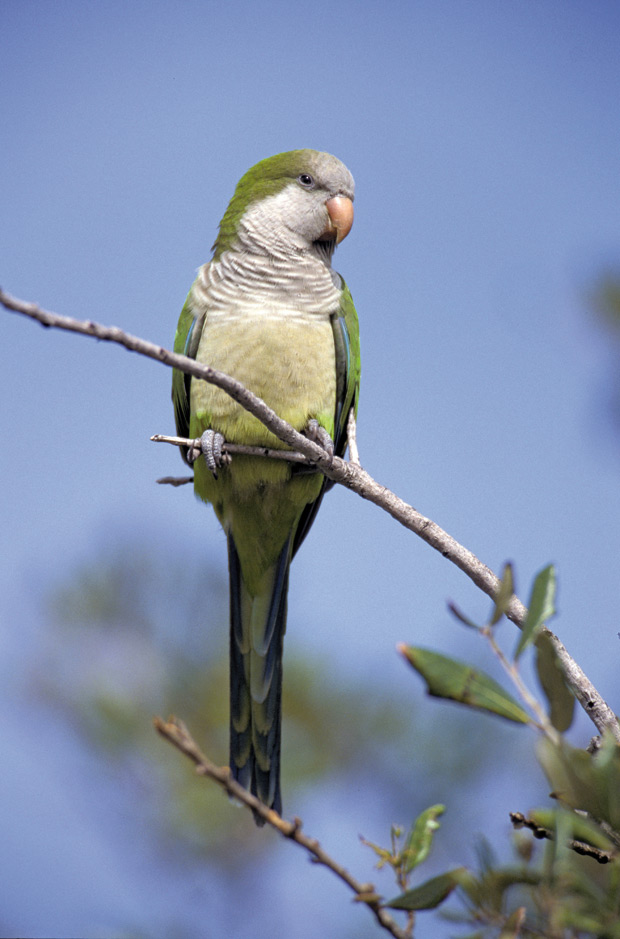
<point x="257" y="627"/>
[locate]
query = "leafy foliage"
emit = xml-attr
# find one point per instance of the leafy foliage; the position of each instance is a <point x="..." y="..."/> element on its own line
<point x="141" y="643"/>
<point x="139" y="648"/>
<point x="429" y="894"/>
<point x="456" y="681"/>
<point x="559" y="697"/>
<point x="540" y="608"/>
<point x="569" y="894"/>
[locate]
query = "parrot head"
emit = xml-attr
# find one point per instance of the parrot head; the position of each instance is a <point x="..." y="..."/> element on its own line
<point x="294" y="201"/>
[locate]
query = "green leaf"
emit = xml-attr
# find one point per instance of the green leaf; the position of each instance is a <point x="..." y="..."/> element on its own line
<point x="541" y="607"/>
<point x="429" y="894"/>
<point x="457" y="681"/>
<point x="461" y="616"/>
<point x="551" y="676"/>
<point x="584" y="781"/>
<point x="505" y="592"/>
<point x="570" y="773"/>
<point x="420" y="840"/>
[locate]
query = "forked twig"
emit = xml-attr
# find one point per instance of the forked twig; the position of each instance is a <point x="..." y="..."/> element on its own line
<point x="176" y="732"/>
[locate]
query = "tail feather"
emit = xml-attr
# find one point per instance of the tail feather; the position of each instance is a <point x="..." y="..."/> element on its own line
<point x="257" y="626"/>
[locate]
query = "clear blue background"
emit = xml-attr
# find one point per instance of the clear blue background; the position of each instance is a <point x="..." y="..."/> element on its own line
<point x="485" y="142"/>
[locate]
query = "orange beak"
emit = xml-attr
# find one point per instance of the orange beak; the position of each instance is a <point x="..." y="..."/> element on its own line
<point x="340" y="211"/>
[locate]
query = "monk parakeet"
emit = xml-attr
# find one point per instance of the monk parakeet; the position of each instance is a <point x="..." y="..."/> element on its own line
<point x="269" y="310"/>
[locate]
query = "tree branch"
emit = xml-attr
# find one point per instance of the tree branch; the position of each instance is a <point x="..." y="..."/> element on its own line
<point x="176" y="733"/>
<point x="240" y="448"/>
<point x="235" y="389"/>
<point x="349" y="474"/>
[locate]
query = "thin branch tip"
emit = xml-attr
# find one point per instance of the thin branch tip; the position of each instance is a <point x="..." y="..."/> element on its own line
<point x="177" y="733"/>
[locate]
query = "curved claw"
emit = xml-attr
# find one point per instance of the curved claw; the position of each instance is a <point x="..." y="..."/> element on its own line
<point x="211" y="444"/>
<point x="315" y="432"/>
<point x="192" y="455"/>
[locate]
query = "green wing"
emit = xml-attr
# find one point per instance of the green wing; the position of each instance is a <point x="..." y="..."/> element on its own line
<point x="347" y="342"/>
<point x="348" y="365"/>
<point x="186" y="342"/>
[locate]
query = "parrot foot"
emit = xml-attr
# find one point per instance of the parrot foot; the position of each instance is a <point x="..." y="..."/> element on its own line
<point x="211" y="444"/>
<point x="319" y="435"/>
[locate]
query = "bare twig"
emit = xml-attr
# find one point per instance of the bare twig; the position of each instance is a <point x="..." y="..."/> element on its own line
<point x="174" y="480"/>
<point x="348" y="474"/>
<point x="176" y="732"/>
<point x="541" y="722"/>
<point x="235" y="389"/>
<point x="238" y="448"/>
<point x="579" y="847"/>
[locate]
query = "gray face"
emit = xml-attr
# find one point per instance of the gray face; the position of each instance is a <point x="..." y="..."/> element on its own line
<point x="296" y="217"/>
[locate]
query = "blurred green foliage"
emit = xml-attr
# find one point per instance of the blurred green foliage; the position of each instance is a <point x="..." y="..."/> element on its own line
<point x="605" y="298"/>
<point x="134" y="633"/>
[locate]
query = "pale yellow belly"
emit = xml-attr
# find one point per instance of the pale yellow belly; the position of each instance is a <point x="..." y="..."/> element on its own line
<point x="289" y="362"/>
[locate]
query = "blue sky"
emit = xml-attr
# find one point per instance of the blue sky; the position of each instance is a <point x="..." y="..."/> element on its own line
<point x="485" y="143"/>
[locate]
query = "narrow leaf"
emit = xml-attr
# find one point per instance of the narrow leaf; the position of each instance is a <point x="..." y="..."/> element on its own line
<point x="457" y="681"/>
<point x="420" y="840"/>
<point x="505" y="592"/>
<point x="461" y="616"/>
<point x="429" y="894"/>
<point x="551" y="677"/>
<point x="583" y="781"/>
<point x="541" y="607"/>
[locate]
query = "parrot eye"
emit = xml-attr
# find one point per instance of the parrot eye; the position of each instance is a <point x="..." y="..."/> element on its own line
<point x="306" y="180"/>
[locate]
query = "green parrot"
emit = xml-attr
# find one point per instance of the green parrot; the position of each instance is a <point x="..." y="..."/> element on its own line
<point x="269" y="310"/>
